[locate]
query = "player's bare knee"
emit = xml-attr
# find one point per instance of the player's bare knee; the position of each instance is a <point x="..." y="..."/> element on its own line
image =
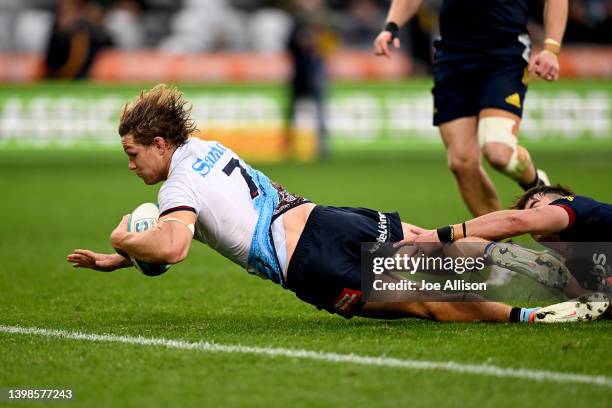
<point x="462" y="165"/>
<point x="497" y="155"/>
<point x="421" y="310"/>
<point x="438" y="311"/>
<point x="441" y="310"/>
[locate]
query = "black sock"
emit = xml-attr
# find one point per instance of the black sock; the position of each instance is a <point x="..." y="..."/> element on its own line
<point x="515" y="315"/>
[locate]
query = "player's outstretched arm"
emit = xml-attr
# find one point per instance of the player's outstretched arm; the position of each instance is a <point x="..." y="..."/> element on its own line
<point x="546" y="220"/>
<point x="545" y="63"/>
<point x="169" y="243"/>
<point x="399" y="13"/>
<point x="84" y="258"/>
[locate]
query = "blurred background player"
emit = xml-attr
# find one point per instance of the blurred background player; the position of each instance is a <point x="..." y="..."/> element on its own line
<point x="481" y="69"/>
<point x="310" y="40"/>
<point x="76" y="38"/>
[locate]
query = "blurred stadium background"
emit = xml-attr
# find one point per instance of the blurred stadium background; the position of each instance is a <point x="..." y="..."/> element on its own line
<point x="231" y="57"/>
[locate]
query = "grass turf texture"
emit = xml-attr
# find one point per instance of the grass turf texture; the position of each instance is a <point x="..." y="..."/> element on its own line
<point x="53" y="203"/>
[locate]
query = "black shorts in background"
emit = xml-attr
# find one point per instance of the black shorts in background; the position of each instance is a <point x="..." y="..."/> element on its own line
<point x="465" y="86"/>
<point x="325" y="269"/>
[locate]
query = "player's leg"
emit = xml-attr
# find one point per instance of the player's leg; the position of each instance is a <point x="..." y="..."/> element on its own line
<point x="432" y="305"/>
<point x="585" y="308"/>
<point x="438" y="306"/>
<point x="500" y="109"/>
<point x="456" y="94"/>
<point x="498" y="139"/>
<point x="289" y="135"/>
<point x="322" y="133"/>
<point x="459" y="311"/>
<point x="464" y="160"/>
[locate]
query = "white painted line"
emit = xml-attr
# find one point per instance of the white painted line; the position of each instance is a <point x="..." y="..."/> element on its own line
<point x="477" y="369"/>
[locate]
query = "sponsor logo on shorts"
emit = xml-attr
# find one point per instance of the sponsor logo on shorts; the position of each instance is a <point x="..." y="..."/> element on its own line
<point x="383" y="228"/>
<point x="514" y="100"/>
<point x="347" y="300"/>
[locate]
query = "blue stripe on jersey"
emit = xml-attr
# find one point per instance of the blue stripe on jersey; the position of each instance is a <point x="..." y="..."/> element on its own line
<point x="262" y="259"/>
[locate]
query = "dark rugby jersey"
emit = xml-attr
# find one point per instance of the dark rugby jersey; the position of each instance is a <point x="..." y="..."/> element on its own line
<point x="483" y="25"/>
<point x="590" y="223"/>
<point x="590" y="220"/>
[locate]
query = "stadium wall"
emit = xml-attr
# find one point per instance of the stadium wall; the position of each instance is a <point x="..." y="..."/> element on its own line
<point x="127" y="67"/>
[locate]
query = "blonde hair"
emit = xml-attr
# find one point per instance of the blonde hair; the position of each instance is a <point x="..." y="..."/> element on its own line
<point x="161" y="111"/>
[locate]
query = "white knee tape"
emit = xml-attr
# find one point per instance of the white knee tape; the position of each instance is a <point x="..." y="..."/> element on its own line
<point x="499" y="130"/>
<point x="515" y="167"/>
<point x="496" y="130"/>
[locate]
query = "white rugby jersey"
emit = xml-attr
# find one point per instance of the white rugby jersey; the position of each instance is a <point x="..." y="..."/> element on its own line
<point x="233" y="203"/>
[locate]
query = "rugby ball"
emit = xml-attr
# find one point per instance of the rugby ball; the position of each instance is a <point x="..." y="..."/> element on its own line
<point x="144" y="218"/>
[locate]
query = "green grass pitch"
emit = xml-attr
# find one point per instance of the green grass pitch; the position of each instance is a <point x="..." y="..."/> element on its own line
<point x="52" y="203"/>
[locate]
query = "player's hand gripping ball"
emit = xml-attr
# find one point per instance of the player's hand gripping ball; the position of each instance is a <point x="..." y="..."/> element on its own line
<point x="144" y="218"/>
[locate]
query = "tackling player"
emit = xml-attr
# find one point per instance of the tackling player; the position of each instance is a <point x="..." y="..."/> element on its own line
<point x="554" y="216"/>
<point x="211" y="195"/>
<point x="481" y="69"/>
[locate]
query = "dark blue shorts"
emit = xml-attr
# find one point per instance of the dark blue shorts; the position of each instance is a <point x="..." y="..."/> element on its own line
<point x="325" y="269"/>
<point x="463" y="87"/>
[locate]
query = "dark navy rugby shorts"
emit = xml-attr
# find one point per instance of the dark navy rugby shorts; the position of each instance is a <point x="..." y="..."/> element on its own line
<point x="463" y="87"/>
<point x="325" y="269"/>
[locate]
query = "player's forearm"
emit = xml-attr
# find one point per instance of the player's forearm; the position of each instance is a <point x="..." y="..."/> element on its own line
<point x="152" y="246"/>
<point x="402" y="10"/>
<point x="498" y="225"/>
<point x="545" y="220"/>
<point x="555" y="20"/>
